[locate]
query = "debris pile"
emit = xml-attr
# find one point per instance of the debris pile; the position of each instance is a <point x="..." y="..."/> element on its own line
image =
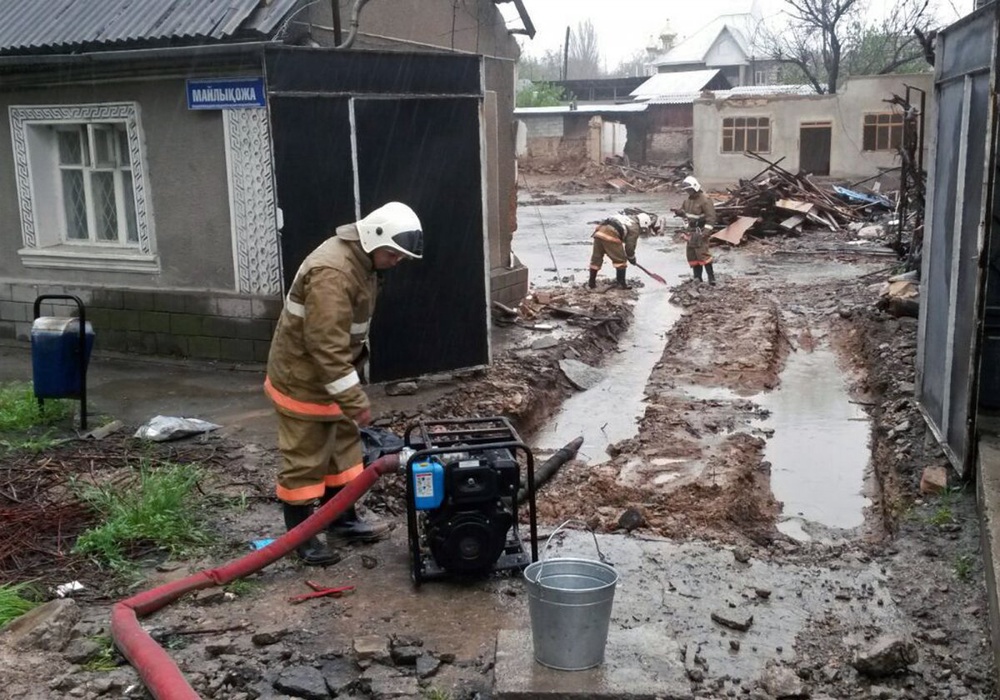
<point x="780" y="201"/>
<point x="614" y="175"/>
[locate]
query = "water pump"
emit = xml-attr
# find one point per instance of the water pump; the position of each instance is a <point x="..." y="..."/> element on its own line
<point x="462" y="483"/>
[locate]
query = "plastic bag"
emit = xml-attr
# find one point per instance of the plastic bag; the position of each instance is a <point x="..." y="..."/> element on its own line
<point x="163" y="428"/>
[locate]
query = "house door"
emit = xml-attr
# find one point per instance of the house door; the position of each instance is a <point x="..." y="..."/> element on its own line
<point x="815" y="139"/>
<point x="353" y="130"/>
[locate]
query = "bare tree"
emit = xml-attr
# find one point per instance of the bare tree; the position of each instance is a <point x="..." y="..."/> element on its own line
<point x="633" y="66"/>
<point x="584" y="52"/>
<point x="828" y="40"/>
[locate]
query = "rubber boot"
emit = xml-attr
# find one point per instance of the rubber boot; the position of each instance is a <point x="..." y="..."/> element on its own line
<point x="312" y="552"/>
<point x="620" y="278"/>
<point x="351" y="528"/>
<point x="696" y="269"/>
<point x="711" y="274"/>
<point x="592" y="282"/>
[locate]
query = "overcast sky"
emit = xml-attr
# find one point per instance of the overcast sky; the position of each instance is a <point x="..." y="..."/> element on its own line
<point x="626" y="25"/>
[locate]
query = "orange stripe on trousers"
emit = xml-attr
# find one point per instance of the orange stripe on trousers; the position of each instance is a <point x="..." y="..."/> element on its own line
<point x="302" y="407"/>
<point x="345" y="477"/>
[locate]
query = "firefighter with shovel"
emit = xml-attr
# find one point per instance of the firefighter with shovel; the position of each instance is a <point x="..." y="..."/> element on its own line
<point x="616" y="237"/>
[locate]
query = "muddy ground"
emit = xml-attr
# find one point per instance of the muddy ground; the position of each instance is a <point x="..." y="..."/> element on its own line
<point x="702" y="465"/>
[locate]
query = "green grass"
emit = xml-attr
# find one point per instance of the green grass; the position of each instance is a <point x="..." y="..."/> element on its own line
<point x="12" y="603"/>
<point x="104" y="660"/>
<point x="160" y="508"/>
<point x="241" y="587"/>
<point x="436" y="694"/>
<point x="942" y="516"/>
<point x="19" y="409"/>
<point x="963" y="567"/>
<point x="33" y="444"/>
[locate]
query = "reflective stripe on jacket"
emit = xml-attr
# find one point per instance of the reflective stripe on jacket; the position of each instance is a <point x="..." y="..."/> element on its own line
<point x="322" y="334"/>
<point x="700" y="205"/>
<point x="608" y="232"/>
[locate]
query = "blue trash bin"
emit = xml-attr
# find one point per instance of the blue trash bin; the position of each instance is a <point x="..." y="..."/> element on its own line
<point x="56" y="368"/>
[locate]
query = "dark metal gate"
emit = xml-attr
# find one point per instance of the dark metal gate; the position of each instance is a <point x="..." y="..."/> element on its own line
<point x="353" y="130"/>
<point x="959" y="215"/>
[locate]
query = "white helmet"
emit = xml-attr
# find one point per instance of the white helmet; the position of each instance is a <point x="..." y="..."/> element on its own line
<point x="393" y="225"/>
<point x="644" y="220"/>
<point x="690" y="183"/>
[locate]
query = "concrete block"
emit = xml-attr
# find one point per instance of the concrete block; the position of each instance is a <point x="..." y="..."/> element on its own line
<point x="7" y="330"/>
<point x="108" y="298"/>
<point x="23" y="292"/>
<point x="111" y="339"/>
<point x="639" y="664"/>
<point x="140" y="342"/>
<point x="170" y="344"/>
<point x="267" y="308"/>
<point x="202" y="346"/>
<point x="15" y="311"/>
<point x="200" y="304"/>
<point x="171" y="302"/>
<point x="256" y="329"/>
<point x="221" y="327"/>
<point x="84" y="294"/>
<point x="140" y="301"/>
<point x="154" y="321"/>
<point x="5" y="291"/>
<point x="22" y="330"/>
<point x="186" y="324"/>
<point x="235" y="349"/>
<point x="124" y="320"/>
<point x="234" y="308"/>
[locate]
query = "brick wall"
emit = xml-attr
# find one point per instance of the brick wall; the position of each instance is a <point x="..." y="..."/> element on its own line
<point x="204" y="325"/>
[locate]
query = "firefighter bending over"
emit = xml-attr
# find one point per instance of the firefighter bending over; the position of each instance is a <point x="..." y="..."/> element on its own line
<point x="616" y="237"/>
<point x="316" y="364"/>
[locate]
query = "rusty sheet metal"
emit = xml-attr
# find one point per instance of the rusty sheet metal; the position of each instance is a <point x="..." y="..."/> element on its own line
<point x="735" y="231"/>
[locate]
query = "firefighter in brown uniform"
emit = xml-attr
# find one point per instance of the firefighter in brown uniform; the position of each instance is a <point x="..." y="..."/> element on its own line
<point x="616" y="237"/>
<point x="700" y="214"/>
<point x="316" y="363"/>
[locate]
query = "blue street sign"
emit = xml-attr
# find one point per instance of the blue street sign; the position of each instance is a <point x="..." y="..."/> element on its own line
<point x="234" y="93"/>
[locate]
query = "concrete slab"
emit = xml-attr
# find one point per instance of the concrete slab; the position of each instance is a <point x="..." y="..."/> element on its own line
<point x="632" y="668"/>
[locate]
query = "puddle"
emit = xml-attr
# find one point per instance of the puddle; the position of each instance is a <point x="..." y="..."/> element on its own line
<point x="819" y="451"/>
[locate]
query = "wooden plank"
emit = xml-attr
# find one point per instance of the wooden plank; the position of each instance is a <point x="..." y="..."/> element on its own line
<point x="795" y="205"/>
<point x="793" y="222"/>
<point x="735" y="231"/>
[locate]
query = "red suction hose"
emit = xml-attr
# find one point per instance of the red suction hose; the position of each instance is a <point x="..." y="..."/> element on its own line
<point x="158" y="671"/>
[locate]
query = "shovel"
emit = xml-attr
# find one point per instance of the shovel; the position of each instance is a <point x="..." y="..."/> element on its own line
<point x="651" y="274"/>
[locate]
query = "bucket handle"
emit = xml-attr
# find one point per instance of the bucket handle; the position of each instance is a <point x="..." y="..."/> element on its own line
<point x="548" y="542"/>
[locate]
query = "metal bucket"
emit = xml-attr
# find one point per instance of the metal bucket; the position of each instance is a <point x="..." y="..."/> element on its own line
<point x="569" y="602"/>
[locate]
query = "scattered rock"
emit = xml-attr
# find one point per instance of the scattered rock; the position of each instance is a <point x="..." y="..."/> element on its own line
<point x="405" y="656"/>
<point x="631" y="519"/>
<point x="79" y="651"/>
<point x="934" y="480"/>
<point x="762" y="593"/>
<point x="544" y="343"/>
<point x="734" y="619"/>
<point x="427" y="665"/>
<point x="371" y="647"/>
<point x="580" y="375"/>
<point x="781" y="683"/>
<point x="221" y="648"/>
<point x="741" y="554"/>
<point x="45" y="628"/>
<point x="269" y="636"/>
<point x="340" y="675"/>
<point x="302" y="682"/>
<point x="734" y="644"/>
<point x="209" y="596"/>
<point x="888" y="655"/>
<point x="401" y="389"/>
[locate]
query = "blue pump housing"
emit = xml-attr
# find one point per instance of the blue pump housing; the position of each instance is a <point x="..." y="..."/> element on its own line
<point x="428" y="484"/>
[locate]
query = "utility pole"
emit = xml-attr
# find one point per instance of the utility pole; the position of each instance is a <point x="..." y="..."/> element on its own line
<point x="565" y="66"/>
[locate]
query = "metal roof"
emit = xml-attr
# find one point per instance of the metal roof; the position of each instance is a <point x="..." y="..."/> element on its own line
<point x="581" y="109"/>
<point x="742" y="27"/>
<point x="36" y="26"/>
<point x="687" y="82"/>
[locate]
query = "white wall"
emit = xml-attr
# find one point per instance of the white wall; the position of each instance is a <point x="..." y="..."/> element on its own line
<point x="845" y="111"/>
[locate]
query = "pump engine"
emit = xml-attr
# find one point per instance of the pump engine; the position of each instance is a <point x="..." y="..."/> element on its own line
<point x="462" y="483"/>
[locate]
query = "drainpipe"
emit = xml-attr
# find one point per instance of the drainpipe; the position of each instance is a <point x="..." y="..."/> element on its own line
<point x="355" y="12"/>
<point x="335" y="8"/>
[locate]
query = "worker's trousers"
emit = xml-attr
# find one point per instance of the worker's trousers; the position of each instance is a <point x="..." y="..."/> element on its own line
<point x="316" y="455"/>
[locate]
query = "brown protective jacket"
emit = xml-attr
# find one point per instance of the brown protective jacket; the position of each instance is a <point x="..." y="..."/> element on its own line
<point x="608" y="232"/>
<point x="322" y="334"/>
<point x="700" y="205"/>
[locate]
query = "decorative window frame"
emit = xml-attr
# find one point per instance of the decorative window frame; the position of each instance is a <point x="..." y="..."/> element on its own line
<point x="37" y="252"/>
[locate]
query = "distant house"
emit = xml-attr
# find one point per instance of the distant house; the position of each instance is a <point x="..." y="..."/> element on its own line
<point x="852" y="134"/>
<point x="729" y="43"/>
<point x="171" y="163"/>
